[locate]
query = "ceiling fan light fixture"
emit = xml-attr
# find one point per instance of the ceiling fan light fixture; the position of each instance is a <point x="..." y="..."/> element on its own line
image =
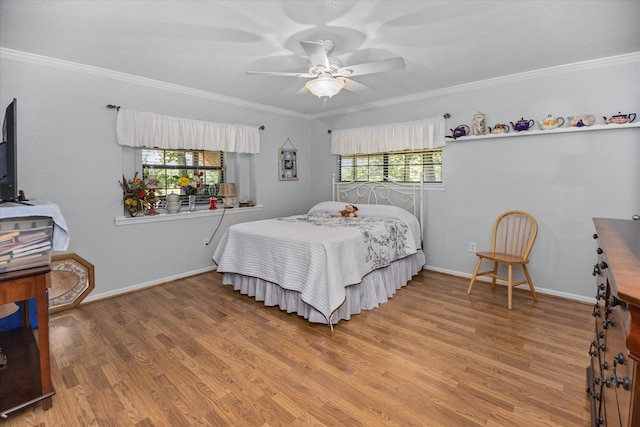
<point x="325" y="86"/>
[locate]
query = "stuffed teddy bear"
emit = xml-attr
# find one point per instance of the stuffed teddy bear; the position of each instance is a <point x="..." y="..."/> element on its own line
<point x="350" y="211"/>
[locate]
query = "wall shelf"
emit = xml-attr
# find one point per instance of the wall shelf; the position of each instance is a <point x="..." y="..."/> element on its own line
<point x="547" y="132"/>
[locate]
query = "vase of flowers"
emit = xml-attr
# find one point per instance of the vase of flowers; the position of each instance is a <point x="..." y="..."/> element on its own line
<point x="191" y="186"/>
<point x="134" y="195"/>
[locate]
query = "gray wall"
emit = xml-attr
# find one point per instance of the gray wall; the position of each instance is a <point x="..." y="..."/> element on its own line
<point x="68" y="154"/>
<point x="562" y="179"/>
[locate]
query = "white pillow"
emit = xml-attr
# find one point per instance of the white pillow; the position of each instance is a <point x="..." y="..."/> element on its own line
<point x="378" y="211"/>
<point x="328" y="207"/>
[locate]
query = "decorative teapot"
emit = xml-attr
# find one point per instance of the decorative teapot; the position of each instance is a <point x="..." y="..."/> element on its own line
<point x="583" y="120"/>
<point x="620" y="118"/>
<point x="499" y="128"/>
<point x="522" y="124"/>
<point x="551" y="123"/>
<point x="173" y="203"/>
<point x="460" y="131"/>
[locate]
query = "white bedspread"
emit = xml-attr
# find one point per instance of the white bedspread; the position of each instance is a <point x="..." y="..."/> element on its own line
<point x="316" y="254"/>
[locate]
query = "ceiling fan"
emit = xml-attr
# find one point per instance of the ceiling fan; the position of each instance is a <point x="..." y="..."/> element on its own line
<point x="327" y="73"/>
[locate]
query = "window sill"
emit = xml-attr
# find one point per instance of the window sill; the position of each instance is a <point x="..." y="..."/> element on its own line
<point x="179" y="216"/>
<point x="429" y="186"/>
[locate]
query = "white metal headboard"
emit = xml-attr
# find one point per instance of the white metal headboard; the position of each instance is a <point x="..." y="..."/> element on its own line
<point x="404" y="195"/>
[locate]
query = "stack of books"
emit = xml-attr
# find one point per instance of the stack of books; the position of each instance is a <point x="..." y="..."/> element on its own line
<point x="25" y="243"/>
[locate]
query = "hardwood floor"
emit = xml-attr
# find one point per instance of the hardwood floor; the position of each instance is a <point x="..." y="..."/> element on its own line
<point x="194" y="352"/>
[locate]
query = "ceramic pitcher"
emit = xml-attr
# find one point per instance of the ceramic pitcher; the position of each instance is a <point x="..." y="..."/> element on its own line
<point x="479" y="124"/>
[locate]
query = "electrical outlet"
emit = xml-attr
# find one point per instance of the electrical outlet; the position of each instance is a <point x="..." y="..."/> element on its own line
<point x="205" y="242"/>
<point x="472" y="247"/>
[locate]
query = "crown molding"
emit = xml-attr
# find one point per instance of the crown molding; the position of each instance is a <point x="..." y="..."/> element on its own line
<point x="544" y="72"/>
<point x="143" y="81"/>
<point x="31" y="58"/>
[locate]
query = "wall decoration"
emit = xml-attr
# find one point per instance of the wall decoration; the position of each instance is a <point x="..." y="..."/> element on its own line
<point x="72" y="278"/>
<point x="288" y="163"/>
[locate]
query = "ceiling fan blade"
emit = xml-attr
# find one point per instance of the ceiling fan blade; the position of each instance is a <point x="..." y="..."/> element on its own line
<point x="372" y="67"/>
<point x="316" y="53"/>
<point x="278" y="73"/>
<point x="354" y="86"/>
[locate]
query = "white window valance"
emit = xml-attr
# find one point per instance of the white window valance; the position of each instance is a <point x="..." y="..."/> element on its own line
<point x="412" y="135"/>
<point x="141" y="129"/>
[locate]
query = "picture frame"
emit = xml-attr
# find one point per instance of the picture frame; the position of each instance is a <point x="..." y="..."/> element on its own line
<point x="288" y="164"/>
<point x="70" y="281"/>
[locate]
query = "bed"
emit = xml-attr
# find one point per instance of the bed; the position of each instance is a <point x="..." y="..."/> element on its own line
<point x="323" y="266"/>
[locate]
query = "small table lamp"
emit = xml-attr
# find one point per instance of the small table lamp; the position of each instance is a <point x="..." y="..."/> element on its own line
<point x="228" y="194"/>
<point x="152" y="184"/>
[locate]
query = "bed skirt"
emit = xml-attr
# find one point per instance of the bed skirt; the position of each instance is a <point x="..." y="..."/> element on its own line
<point x="375" y="288"/>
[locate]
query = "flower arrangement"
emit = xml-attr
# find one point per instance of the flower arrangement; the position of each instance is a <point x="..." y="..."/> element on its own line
<point x="191" y="185"/>
<point x="134" y="194"/>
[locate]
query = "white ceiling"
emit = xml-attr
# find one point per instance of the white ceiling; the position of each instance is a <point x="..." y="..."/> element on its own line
<point x="208" y="45"/>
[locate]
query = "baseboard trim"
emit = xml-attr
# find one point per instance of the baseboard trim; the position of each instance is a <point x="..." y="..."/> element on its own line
<point x="544" y="291"/>
<point x="141" y="286"/>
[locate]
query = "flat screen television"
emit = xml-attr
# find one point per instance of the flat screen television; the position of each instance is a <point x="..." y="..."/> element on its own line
<point x="9" y="155"/>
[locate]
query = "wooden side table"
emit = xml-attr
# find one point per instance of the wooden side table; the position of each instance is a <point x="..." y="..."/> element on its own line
<point x="26" y="379"/>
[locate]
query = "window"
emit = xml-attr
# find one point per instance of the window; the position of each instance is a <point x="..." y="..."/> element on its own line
<point x="169" y="165"/>
<point x="402" y="166"/>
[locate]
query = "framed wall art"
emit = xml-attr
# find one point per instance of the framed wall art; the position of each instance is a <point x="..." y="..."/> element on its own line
<point x="288" y="163"/>
<point x="72" y="278"/>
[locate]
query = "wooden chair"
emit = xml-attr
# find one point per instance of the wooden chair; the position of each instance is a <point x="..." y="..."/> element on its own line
<point x="513" y="235"/>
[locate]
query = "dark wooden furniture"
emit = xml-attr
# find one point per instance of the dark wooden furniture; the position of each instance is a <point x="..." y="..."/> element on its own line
<point x="27" y="377"/>
<point x="613" y="378"/>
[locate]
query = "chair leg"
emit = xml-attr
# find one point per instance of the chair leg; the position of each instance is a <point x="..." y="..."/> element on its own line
<point x="526" y="273"/>
<point x="473" y="277"/>
<point x="495" y="274"/>
<point x="510" y="286"/>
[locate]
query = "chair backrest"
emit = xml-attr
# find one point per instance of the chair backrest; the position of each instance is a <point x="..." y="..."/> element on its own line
<point x="514" y="233"/>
